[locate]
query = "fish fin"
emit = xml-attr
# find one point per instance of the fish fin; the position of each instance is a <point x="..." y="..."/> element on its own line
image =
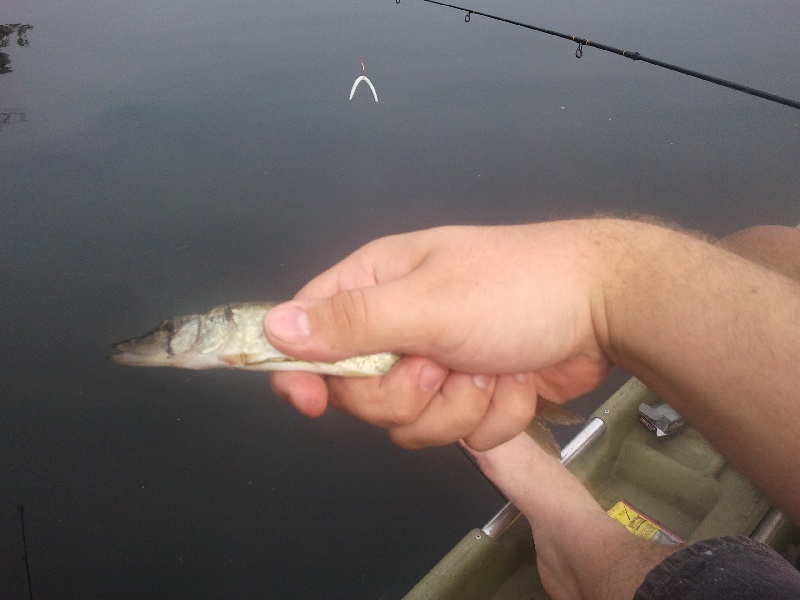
<point x="232" y="360"/>
<point x="269" y="363"/>
<point x="541" y="434"/>
<point x="243" y="359"/>
<point x="556" y="413"/>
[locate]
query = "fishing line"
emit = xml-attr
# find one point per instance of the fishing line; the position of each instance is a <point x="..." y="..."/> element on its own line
<point x="21" y="510"/>
<point x="627" y="54"/>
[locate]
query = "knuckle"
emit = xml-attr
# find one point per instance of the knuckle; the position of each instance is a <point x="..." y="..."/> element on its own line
<point x="468" y="410"/>
<point x="402" y="412"/>
<point x="467" y="420"/>
<point x="349" y="313"/>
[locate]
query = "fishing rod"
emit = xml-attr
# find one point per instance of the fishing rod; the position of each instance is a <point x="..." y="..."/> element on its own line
<point x="21" y="510"/>
<point x="627" y="54"/>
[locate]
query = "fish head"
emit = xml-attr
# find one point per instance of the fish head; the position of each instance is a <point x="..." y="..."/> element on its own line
<point x="162" y="346"/>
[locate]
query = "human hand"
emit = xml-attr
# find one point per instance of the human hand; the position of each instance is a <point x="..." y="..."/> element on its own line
<point x="486" y="318"/>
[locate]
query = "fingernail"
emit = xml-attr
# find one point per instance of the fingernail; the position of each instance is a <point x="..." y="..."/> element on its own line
<point x="288" y="323"/>
<point x="481" y="381"/>
<point x="430" y="378"/>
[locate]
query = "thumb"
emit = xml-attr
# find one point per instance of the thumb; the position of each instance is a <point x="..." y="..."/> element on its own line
<point x="348" y="323"/>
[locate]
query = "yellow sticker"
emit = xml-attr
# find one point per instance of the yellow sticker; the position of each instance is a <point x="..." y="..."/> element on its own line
<point x="639" y="525"/>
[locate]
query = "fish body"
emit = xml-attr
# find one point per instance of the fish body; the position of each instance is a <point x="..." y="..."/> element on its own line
<point x="232" y="336"/>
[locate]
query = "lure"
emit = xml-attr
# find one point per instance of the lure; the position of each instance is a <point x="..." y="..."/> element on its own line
<point x="364" y="78"/>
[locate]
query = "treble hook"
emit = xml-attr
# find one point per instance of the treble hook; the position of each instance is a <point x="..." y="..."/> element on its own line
<point x="466" y="17"/>
<point x="579" y="51"/>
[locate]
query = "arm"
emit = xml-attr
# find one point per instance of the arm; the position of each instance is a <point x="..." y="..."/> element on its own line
<point x="581" y="552"/>
<point x="543" y="309"/>
<point x="718" y="337"/>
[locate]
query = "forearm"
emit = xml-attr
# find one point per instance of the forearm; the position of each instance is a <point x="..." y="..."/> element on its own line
<point x="716" y="337"/>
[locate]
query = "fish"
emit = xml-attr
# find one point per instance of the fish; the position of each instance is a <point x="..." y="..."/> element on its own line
<point x="232" y="336"/>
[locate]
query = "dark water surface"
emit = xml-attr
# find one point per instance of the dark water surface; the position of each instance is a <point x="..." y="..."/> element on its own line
<point x="158" y="158"/>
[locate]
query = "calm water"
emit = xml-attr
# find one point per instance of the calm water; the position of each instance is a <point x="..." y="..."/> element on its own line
<point x="159" y="158"/>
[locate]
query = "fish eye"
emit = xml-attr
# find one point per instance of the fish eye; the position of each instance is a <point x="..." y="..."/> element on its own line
<point x="168" y="326"/>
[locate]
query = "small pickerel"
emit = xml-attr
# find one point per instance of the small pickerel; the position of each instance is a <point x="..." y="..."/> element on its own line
<point x="232" y="336"/>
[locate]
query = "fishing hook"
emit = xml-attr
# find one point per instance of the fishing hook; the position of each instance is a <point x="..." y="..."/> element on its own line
<point x="579" y="51"/>
<point x="466" y="17"/>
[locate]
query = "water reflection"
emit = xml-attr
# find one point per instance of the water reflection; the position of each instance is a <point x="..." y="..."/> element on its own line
<point x="11" y="117"/>
<point x="215" y="156"/>
<point x="6" y="31"/>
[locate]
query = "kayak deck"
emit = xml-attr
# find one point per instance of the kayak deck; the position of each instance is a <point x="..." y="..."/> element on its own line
<point x="678" y="481"/>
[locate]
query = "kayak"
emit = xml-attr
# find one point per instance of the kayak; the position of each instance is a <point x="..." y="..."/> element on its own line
<point x="655" y="474"/>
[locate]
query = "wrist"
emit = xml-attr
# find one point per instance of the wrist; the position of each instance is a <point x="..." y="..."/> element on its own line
<point x="637" y="262"/>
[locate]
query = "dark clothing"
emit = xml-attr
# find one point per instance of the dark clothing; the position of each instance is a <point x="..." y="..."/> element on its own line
<point x="734" y="568"/>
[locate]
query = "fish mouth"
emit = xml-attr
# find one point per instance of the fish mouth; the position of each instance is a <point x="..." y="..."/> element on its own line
<point x="137" y="360"/>
<point x="140" y="351"/>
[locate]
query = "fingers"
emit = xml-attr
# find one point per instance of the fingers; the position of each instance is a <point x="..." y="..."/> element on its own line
<point x="453" y="412"/>
<point x="419" y="402"/>
<point x="394" y="399"/>
<point x="423" y="404"/>
<point x="307" y="392"/>
<point x="512" y="408"/>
